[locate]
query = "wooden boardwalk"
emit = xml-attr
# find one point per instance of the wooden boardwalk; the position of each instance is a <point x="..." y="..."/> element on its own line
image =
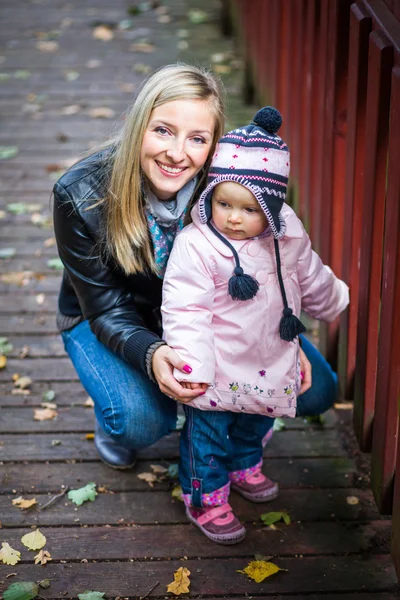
<point x="129" y="542"/>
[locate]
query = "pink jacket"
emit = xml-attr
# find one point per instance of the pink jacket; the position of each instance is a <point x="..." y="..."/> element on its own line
<point x="234" y="346"/>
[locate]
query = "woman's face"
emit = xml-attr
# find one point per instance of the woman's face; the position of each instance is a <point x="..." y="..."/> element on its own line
<point x="176" y="144"/>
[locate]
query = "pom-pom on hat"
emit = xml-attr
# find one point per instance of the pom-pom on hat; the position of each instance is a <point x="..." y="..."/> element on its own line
<point x="257" y="158"/>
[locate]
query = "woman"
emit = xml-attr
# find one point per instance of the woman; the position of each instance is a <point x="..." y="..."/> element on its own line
<point x="116" y="214"/>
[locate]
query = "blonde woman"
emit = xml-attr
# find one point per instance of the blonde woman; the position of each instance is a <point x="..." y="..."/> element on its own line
<point x="116" y="215"/>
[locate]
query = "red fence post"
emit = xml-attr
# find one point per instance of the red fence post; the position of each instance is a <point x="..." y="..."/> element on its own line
<point x="360" y="27"/>
<point x="384" y="441"/>
<point x="377" y="128"/>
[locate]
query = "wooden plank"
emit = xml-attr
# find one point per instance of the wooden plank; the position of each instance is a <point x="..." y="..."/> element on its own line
<point x="218" y="577"/>
<point x="43" y="369"/>
<point x="377" y="128"/>
<point x="121" y="543"/>
<point x="22" y="304"/>
<point x="39" y="346"/>
<point x="293" y="473"/>
<point x="67" y="394"/>
<point x="360" y="26"/>
<point x="386" y="417"/>
<point x="46" y="284"/>
<point x="17" y="447"/>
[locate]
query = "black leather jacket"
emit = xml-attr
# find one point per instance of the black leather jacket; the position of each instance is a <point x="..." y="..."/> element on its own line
<point x="123" y="311"/>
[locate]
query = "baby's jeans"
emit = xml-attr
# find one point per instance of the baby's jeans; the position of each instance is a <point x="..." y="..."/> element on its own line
<point x="214" y="445"/>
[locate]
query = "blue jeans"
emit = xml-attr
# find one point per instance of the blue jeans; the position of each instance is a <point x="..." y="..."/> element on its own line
<point x="132" y="409"/>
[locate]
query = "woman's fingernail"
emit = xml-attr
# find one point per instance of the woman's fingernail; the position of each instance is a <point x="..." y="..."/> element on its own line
<point x="187" y="369"/>
<point x="201" y="393"/>
<point x="302" y="374"/>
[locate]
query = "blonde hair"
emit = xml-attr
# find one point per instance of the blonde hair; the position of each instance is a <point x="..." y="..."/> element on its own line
<point x="127" y="235"/>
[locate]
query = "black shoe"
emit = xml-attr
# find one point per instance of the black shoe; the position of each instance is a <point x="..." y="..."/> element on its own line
<point x="111" y="453"/>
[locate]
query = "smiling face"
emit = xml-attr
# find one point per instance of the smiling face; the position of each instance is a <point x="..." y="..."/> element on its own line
<point x="236" y="212"/>
<point x="176" y="144"/>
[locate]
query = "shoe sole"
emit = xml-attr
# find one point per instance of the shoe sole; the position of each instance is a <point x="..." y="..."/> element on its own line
<point x="213" y="537"/>
<point x="116" y="467"/>
<point x="249" y="496"/>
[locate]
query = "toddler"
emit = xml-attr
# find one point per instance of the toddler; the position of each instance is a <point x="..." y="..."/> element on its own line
<point x="236" y="279"/>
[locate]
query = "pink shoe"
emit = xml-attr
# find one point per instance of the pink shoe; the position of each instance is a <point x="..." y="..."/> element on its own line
<point x="256" y="487"/>
<point x="218" y="523"/>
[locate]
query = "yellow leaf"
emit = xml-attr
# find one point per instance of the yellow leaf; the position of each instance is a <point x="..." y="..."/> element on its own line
<point x="177" y="493"/>
<point x="3" y="361"/>
<point x="352" y="500"/>
<point x="50" y="405"/>
<point x="181" y="582"/>
<point x="89" y="436"/>
<point x="8" y="555"/>
<point x="258" y="570"/>
<point x="150" y="478"/>
<point x="34" y="540"/>
<point x="22" y="382"/>
<point x="42" y="557"/>
<point x="159" y="469"/>
<point x="23" y="502"/>
<point x="102" y="32"/>
<point x="44" y="414"/>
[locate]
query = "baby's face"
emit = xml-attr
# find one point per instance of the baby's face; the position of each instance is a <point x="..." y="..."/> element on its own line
<point x="236" y="212"/>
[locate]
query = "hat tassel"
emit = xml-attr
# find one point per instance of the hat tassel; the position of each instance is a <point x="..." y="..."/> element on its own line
<point x="242" y="286"/>
<point x="290" y="326"/>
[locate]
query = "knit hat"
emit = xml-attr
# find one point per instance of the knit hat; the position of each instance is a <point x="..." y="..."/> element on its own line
<point x="255" y="157"/>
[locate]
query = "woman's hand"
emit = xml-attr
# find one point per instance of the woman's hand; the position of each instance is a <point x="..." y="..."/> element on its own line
<point x="305" y="370"/>
<point x="164" y="361"/>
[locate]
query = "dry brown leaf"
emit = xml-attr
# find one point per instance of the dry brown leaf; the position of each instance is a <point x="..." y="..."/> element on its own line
<point x="42" y="557"/>
<point x="158" y="469"/>
<point x="3" y="361"/>
<point x="89" y="402"/>
<point x="142" y="47"/>
<point x="23" y="353"/>
<point x="343" y="405"/>
<point x="44" y="414"/>
<point x="23" y="502"/>
<point x="18" y="392"/>
<point x="51" y="405"/>
<point x="352" y="500"/>
<point x="22" y="382"/>
<point x="102" y="112"/>
<point x="150" y="478"/>
<point x="102" y="32"/>
<point x="47" y="46"/>
<point x="72" y="109"/>
<point x="50" y="242"/>
<point x="19" y="278"/>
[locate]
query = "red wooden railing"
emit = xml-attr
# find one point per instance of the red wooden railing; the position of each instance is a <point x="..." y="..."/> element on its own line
<point x="332" y="68"/>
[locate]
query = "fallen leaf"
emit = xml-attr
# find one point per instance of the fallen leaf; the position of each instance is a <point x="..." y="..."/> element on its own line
<point x="7" y="152"/>
<point x="141" y="68"/>
<point x="315" y="419"/>
<point x="22" y="382"/>
<point x="344" y="405"/>
<point x="353" y="500"/>
<point x="150" y="478"/>
<point x="8" y="555"/>
<point x="89" y="436"/>
<point x="42" y="557"/>
<point x="173" y="471"/>
<point x="7" y="252"/>
<point x="47" y="46"/>
<point x="5" y="346"/>
<point x="72" y="109"/>
<point x="3" y="214"/>
<point x="56" y="442"/>
<point x="279" y="424"/>
<point x="180" y="421"/>
<point x="91" y="596"/>
<point x="4" y="76"/>
<point x="83" y="494"/>
<point x="19" y="278"/>
<point x="49" y="396"/>
<point x="71" y="75"/>
<point x="45" y="584"/>
<point x="164" y="19"/>
<point x="3" y="361"/>
<point x="34" y="540"/>
<point x="222" y="69"/>
<point x="50" y="242"/>
<point x="158" y="469"/>
<point x="197" y="16"/>
<point x="181" y="582"/>
<point x="55" y="263"/>
<point x="49" y="405"/>
<point x="44" y="414"/>
<point x="102" y="32"/>
<point x="40" y="298"/>
<point x="93" y="63"/>
<point x="89" y="402"/>
<point x="21" y="590"/>
<point x="142" y="47"/>
<point x="258" y="570"/>
<point x="177" y="493"/>
<point x="273" y="517"/>
<point x="22" y="74"/>
<point x="102" y="112"/>
<point x="23" y="502"/>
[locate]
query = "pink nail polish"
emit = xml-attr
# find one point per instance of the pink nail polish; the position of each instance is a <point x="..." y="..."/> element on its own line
<point x="187" y="369"/>
<point x="201" y="393"/>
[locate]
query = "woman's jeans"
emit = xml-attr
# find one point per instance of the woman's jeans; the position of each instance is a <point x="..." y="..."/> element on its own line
<point x="135" y="413"/>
